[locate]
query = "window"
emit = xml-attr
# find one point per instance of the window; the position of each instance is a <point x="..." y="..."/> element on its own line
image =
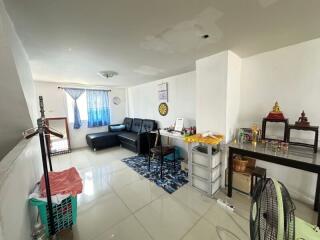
<point x="98" y="108"/>
<point x="93" y="106"/>
<point x="82" y="106"/>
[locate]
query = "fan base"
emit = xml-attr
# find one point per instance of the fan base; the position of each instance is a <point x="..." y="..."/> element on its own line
<point x="306" y="231"/>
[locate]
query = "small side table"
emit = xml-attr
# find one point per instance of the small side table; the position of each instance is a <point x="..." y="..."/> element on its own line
<point x="264" y="126"/>
<point x="314" y="129"/>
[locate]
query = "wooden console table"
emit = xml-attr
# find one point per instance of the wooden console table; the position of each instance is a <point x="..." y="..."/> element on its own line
<point x="297" y="157"/>
<point x="314" y="129"/>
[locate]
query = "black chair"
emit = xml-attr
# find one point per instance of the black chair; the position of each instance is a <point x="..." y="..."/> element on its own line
<point x="156" y="149"/>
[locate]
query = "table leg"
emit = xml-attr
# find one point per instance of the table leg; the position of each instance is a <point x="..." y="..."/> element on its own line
<point x="316" y="141"/>
<point x="190" y="162"/>
<point x="230" y="173"/>
<point x="161" y="166"/>
<point x="316" y="201"/>
<point x="264" y="125"/>
<point x="288" y="135"/>
<point x="251" y="186"/>
<point x="286" y="130"/>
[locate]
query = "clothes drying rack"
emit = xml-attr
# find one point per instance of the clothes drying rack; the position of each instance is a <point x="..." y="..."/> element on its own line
<point x="43" y="131"/>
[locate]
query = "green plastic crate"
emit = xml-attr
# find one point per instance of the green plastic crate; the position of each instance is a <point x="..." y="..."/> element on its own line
<point x="64" y="214"/>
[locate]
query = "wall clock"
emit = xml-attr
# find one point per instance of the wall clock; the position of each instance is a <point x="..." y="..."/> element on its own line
<point x="116" y="100"/>
<point x="163" y="109"/>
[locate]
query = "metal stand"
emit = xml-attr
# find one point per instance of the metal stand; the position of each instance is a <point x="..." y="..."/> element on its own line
<point x="42" y="130"/>
<point x="51" y="227"/>
<point x="48" y="151"/>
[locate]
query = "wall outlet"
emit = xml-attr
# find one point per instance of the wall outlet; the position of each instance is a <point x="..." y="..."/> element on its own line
<point x="225" y="205"/>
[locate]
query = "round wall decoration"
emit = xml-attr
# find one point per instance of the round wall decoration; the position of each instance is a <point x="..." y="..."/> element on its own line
<point x="163" y="109"/>
<point x="116" y="100"/>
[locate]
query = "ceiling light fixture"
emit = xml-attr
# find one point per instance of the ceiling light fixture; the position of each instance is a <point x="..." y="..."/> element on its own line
<point x="107" y="74"/>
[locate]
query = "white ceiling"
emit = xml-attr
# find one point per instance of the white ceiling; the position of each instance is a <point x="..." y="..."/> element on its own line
<point x="144" y="40"/>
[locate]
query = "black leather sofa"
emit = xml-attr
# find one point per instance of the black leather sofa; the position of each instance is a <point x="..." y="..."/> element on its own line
<point x="132" y="137"/>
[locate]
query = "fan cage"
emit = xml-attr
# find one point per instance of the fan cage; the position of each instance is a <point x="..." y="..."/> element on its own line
<point x="264" y="225"/>
<point x="264" y="205"/>
<point x="289" y="217"/>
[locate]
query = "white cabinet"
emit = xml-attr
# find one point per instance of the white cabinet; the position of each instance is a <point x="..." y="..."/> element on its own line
<point x="205" y="169"/>
<point x="204" y="186"/>
<point x="203" y="172"/>
<point x="204" y="160"/>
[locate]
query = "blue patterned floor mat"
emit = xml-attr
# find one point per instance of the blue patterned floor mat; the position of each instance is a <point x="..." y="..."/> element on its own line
<point x="172" y="179"/>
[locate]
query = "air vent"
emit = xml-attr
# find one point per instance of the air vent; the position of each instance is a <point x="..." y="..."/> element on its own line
<point x="107" y="74"/>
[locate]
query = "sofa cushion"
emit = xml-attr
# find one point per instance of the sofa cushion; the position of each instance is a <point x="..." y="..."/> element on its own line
<point x="148" y="125"/>
<point x="103" y="140"/>
<point x="128" y="123"/>
<point x="128" y="137"/>
<point x="100" y="135"/>
<point x="117" y="128"/>
<point x="136" y="125"/>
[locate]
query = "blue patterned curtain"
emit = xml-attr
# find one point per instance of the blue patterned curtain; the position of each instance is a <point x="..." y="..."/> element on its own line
<point x="98" y="108"/>
<point x="75" y="93"/>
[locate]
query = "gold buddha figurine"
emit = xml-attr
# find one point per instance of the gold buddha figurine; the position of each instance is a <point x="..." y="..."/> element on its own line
<point x="275" y="113"/>
<point x="276" y="108"/>
<point x="255" y="131"/>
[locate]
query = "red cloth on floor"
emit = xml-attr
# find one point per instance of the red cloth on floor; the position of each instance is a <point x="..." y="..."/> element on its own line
<point x="65" y="182"/>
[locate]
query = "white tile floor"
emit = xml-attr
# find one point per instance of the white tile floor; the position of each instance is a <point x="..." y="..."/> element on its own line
<point x="117" y="203"/>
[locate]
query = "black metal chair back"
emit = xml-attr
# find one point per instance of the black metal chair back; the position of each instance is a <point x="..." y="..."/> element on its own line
<point x="158" y="140"/>
<point x="149" y="134"/>
<point x="157" y="143"/>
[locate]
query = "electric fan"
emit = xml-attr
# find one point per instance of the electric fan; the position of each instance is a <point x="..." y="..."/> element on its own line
<point x="272" y="215"/>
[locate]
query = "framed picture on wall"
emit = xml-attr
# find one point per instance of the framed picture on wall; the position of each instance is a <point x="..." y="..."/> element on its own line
<point x="163" y="92"/>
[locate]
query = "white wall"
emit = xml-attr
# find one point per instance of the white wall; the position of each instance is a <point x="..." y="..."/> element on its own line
<point x="14" y="108"/>
<point x="211" y="94"/>
<point x="143" y="103"/>
<point x="233" y="95"/>
<point x="143" y="100"/>
<point x="21" y="60"/>
<point x="291" y="76"/>
<point x="218" y="96"/>
<point x="218" y="93"/>
<point x="55" y="103"/>
<point x="20" y="169"/>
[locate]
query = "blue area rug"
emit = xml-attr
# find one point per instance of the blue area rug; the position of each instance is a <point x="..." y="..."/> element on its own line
<point x="172" y="178"/>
